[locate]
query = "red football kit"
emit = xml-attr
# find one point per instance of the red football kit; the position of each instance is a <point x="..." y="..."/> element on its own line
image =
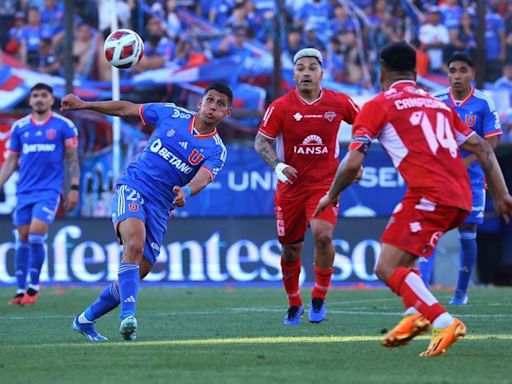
<point x="422" y="136"/>
<point x="306" y="135"/>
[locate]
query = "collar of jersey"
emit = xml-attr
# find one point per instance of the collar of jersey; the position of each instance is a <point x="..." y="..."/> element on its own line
<point x="459" y="103"/>
<point x="198" y="135"/>
<point x="402" y="82"/>
<point x="307" y="102"/>
<point x="33" y="121"/>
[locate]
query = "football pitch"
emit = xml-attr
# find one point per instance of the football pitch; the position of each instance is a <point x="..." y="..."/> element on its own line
<point x="236" y="335"/>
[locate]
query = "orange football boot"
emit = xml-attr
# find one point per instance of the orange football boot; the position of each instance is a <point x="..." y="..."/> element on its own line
<point x="442" y="338"/>
<point x="16" y="300"/>
<point x="407" y="329"/>
<point x="28" y="299"/>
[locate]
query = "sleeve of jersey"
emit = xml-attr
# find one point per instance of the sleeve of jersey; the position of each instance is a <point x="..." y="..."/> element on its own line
<point x="367" y="125"/>
<point x="491" y="121"/>
<point x="462" y="131"/>
<point x="149" y="113"/>
<point x="271" y="123"/>
<point x="215" y="163"/>
<point x="350" y="111"/>
<point x="14" y="141"/>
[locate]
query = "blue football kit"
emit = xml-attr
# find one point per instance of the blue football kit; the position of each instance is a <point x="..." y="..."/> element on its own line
<point x="172" y="157"/>
<point x="41" y="146"/>
<point x="478" y="112"/>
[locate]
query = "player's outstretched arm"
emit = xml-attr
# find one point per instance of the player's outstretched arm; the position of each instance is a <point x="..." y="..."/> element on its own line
<point x="122" y="108"/>
<point x="199" y="182"/>
<point x="8" y="168"/>
<point x="73" y="167"/>
<point x="264" y="146"/>
<point x="485" y="155"/>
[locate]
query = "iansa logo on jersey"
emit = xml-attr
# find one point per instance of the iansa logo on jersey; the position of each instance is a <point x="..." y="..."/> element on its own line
<point x="312" y="145"/>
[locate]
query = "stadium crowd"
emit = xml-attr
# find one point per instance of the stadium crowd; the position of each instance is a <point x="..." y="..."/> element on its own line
<point x="349" y="34"/>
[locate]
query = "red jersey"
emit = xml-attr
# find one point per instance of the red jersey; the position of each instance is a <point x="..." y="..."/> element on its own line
<point x="306" y="136"/>
<point x="421" y="135"/>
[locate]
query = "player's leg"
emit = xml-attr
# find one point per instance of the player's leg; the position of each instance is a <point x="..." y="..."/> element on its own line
<point x="468" y="247"/>
<point x="21" y="260"/>
<point x="426" y="266"/>
<point x="323" y="261"/>
<point x="291" y="227"/>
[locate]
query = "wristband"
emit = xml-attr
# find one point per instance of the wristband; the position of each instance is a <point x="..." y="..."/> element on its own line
<point x="279" y="172"/>
<point x="186" y="190"/>
<point x="74" y="187"/>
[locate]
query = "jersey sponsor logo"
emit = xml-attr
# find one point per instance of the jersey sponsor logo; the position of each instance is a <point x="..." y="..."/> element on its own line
<point x="312" y="145"/>
<point x="415" y="227"/>
<point x="330" y="115"/>
<point x="180" y="114"/>
<point x="470" y="120"/>
<point x="298" y="116"/>
<point x="51" y="133"/>
<point x="29" y="148"/>
<point x="195" y="157"/>
<point x="158" y="148"/>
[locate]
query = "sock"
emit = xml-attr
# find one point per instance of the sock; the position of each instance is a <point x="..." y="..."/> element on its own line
<point x="467" y="259"/>
<point x="21" y="258"/>
<point x="322" y="282"/>
<point x="106" y="301"/>
<point x="129" y="281"/>
<point x="407" y="284"/>
<point x="426" y="265"/>
<point x="37" y="255"/>
<point x="444" y="320"/>
<point x="291" y="272"/>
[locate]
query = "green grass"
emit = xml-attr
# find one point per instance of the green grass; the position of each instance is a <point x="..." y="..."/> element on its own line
<point x="236" y="335"/>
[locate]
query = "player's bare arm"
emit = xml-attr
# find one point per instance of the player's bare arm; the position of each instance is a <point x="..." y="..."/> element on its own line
<point x="199" y="182"/>
<point x="8" y="168"/>
<point x="264" y="146"/>
<point x="493" y="142"/>
<point x="485" y="154"/>
<point x="121" y="108"/>
<point x="73" y="167"/>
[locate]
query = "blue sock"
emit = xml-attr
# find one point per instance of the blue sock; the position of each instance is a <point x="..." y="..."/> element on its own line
<point x="22" y="257"/>
<point x="426" y="265"/>
<point x="106" y="301"/>
<point x="129" y="280"/>
<point x="467" y="258"/>
<point x="37" y="255"/>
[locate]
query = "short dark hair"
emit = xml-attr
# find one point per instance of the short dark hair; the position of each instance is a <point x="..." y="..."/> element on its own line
<point x="399" y="57"/>
<point x="460" y="56"/>
<point x="221" y="88"/>
<point x="43" y="86"/>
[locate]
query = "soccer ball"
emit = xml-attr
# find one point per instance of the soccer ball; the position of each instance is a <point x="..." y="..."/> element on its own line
<point x="123" y="48"/>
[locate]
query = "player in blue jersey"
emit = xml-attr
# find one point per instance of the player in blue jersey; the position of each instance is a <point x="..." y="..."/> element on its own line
<point x="181" y="158"/>
<point x="39" y="143"/>
<point x="477" y="110"/>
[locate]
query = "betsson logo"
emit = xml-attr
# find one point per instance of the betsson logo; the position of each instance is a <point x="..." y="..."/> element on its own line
<point x="217" y="259"/>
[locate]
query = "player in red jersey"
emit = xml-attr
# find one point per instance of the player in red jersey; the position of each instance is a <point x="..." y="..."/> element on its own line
<point x="304" y="124"/>
<point x="422" y="136"/>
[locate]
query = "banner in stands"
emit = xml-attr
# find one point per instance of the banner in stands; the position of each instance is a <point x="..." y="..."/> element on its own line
<point x="196" y="251"/>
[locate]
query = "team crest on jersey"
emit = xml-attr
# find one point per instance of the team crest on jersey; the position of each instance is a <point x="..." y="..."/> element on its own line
<point x="195" y="157"/>
<point x="133" y="207"/>
<point x="51" y="133"/>
<point x="330" y="115"/>
<point x="171" y="132"/>
<point x="298" y="116"/>
<point x="470" y="120"/>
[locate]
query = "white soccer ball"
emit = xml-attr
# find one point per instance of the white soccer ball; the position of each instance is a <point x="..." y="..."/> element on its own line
<point x="123" y="48"/>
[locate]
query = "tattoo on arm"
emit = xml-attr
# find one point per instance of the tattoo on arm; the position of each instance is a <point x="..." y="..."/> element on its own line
<point x="263" y="146"/>
<point x="73" y="165"/>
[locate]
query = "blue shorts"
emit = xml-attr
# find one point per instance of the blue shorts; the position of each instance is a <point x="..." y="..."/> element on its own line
<point x="128" y="202"/>
<point x="478" y="207"/>
<point x="43" y="208"/>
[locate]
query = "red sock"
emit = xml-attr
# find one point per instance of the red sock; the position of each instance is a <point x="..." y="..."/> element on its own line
<point x="407" y="284"/>
<point x="322" y="282"/>
<point x="291" y="272"/>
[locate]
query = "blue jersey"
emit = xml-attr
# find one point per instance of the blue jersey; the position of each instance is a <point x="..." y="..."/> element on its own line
<point x="478" y="112"/>
<point x="174" y="153"/>
<point x="41" y="146"/>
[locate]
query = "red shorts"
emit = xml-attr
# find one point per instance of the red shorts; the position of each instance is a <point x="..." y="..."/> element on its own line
<point x="417" y="224"/>
<point x="294" y="212"/>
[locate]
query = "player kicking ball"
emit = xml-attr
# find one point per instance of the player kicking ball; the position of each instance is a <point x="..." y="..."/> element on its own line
<point x="162" y="178"/>
<point x="422" y="135"/>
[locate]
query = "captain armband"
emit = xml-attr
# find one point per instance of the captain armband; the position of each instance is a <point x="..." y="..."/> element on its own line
<point x="360" y="144"/>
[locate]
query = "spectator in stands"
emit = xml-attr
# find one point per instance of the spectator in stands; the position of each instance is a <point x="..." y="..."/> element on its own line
<point x="84" y="51"/>
<point x="238" y="18"/>
<point x="158" y="49"/>
<point x="316" y="13"/>
<point x="220" y="11"/>
<point x="351" y="58"/>
<point x="8" y="9"/>
<point x="293" y="45"/>
<point x="508" y="33"/>
<point x="234" y="44"/>
<point x="48" y="60"/>
<point x="505" y="81"/>
<point x="52" y="16"/>
<point x="13" y="45"/>
<point x="463" y="38"/>
<point x="434" y="38"/>
<point x="30" y="37"/>
<point x="173" y="21"/>
<point x="451" y="14"/>
<point x="312" y="38"/>
<point x="341" y="22"/>
<point x="494" y="45"/>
